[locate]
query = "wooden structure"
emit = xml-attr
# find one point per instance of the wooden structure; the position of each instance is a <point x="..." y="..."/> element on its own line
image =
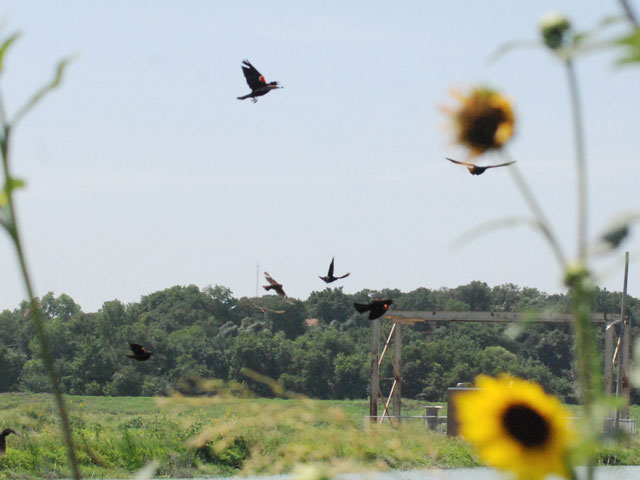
<point x="376" y="360"/>
<point x="401" y="318"/>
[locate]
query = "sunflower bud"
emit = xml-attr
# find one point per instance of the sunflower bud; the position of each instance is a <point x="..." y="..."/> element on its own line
<point x="555" y="28"/>
<point x="576" y="274"/>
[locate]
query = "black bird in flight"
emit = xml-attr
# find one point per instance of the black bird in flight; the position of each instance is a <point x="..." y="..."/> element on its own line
<point x="376" y="308"/>
<point x="256" y="81"/>
<point x="475" y="169"/>
<point x="140" y="353"/>
<point x="3" y="439"/>
<point x="330" y="278"/>
<point x="273" y="285"/>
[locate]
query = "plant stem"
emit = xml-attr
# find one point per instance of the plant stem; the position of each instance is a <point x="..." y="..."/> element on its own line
<point x="582" y="293"/>
<point x="629" y="13"/>
<point x="537" y="211"/>
<point x="36" y="312"/>
<point x="581" y="170"/>
<point x="588" y="360"/>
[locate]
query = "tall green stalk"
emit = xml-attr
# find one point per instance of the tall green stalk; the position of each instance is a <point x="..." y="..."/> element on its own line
<point x="9" y="221"/>
<point x="581" y="168"/>
<point x="580" y="283"/>
<point x="538" y="213"/>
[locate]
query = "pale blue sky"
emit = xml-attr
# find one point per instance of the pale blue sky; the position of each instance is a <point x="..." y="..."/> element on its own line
<point x="145" y="172"/>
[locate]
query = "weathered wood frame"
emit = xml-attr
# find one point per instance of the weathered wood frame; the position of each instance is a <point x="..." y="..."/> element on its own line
<point x="399" y="318"/>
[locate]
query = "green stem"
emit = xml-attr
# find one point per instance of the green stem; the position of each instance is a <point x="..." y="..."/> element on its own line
<point x="587" y="353"/>
<point x="588" y="361"/>
<point x="581" y="169"/>
<point x="537" y="211"/>
<point x="36" y="313"/>
<point x="630" y="13"/>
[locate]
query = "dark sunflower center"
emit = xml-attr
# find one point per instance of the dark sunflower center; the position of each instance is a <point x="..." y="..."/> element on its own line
<point x="482" y="126"/>
<point x="526" y="426"/>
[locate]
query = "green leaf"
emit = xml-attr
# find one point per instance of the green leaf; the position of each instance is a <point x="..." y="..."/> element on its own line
<point x="631" y="45"/>
<point x="601" y="25"/>
<point x="40" y="94"/>
<point x="492" y="225"/>
<point x="615" y="233"/>
<point x="14" y="184"/>
<point x="615" y="236"/>
<point x="10" y="185"/>
<point x="513" y="45"/>
<point x="5" y="46"/>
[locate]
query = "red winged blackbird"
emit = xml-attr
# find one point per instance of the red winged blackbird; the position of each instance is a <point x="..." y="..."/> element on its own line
<point x="139" y="352"/>
<point x="475" y="169"/>
<point x="3" y="440"/>
<point x="376" y="308"/>
<point x="273" y="285"/>
<point x="256" y="81"/>
<point x="330" y="278"/>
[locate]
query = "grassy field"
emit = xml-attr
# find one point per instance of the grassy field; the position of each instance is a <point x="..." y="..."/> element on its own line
<point x="224" y="436"/>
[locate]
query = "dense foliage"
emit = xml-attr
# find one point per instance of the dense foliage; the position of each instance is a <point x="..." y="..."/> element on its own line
<point x="318" y="347"/>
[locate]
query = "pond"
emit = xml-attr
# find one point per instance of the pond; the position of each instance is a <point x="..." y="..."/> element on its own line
<point x="602" y="473"/>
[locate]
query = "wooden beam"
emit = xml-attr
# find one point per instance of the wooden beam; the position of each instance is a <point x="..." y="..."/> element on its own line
<point x="397" y="371"/>
<point x="386" y="405"/>
<point x="386" y="344"/>
<point x="625" y="354"/>
<point x="374" y="387"/>
<point x="406" y="316"/>
<point x="609" y="359"/>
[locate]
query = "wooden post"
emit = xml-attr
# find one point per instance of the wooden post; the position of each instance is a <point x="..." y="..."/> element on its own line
<point x="374" y="388"/>
<point x="452" y="415"/>
<point x="625" y="357"/>
<point x="622" y="378"/>
<point x="609" y="340"/>
<point x="397" y="371"/>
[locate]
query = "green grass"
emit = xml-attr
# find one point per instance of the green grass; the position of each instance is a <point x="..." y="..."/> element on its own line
<point x="225" y="436"/>
<point x="214" y="436"/>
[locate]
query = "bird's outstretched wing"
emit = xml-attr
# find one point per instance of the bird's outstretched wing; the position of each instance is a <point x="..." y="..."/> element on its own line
<point x="330" y="274"/>
<point x="343" y="276"/>
<point x="137" y="349"/>
<point x="270" y="279"/>
<point x="361" y="308"/>
<point x="460" y="163"/>
<point x="253" y="76"/>
<point x="500" y="165"/>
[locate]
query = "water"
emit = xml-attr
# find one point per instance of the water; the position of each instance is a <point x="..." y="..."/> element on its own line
<point x="602" y="473"/>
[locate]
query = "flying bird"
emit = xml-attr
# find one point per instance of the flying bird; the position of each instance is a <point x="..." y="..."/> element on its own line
<point x="256" y="82"/>
<point x="273" y="285"/>
<point x="476" y="169"/>
<point x="140" y="353"/>
<point x="330" y="278"/>
<point x="265" y="309"/>
<point x="3" y="439"/>
<point x="376" y="308"/>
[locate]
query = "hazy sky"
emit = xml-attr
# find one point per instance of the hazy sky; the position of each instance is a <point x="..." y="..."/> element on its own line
<point x="145" y="172"/>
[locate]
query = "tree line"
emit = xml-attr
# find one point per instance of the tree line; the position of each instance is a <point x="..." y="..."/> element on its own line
<point x="319" y="347"/>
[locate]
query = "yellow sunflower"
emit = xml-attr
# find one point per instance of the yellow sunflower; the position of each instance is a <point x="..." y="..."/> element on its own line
<point x="484" y="120"/>
<point x="514" y="425"/>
